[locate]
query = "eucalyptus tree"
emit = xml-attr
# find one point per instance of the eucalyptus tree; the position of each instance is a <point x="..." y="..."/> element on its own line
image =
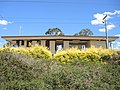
<point x="54" y="31"/>
<point x="84" y="32"/>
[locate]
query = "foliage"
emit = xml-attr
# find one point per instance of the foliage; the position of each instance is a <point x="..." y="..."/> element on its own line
<point x="37" y="52"/>
<point x="67" y="56"/>
<point x="6" y="45"/>
<point x="117" y="55"/>
<point x="14" y="69"/>
<point x="84" y="32"/>
<point x="1" y="49"/>
<point x="76" y="34"/>
<point x="20" y="72"/>
<point x="54" y="31"/>
<point x="91" y="54"/>
<point x="83" y="76"/>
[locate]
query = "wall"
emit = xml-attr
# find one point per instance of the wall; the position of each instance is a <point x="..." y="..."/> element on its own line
<point x="97" y="43"/>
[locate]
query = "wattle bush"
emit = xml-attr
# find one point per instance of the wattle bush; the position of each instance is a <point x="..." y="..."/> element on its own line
<point x="37" y="52"/>
<point x="69" y="55"/>
<point x="91" y="54"/>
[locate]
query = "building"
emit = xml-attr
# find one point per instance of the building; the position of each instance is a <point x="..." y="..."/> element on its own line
<point x="55" y="43"/>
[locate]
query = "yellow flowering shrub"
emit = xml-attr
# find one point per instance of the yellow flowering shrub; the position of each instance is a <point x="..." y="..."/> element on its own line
<point x="107" y="54"/>
<point x="118" y="55"/>
<point x="37" y="52"/>
<point x="91" y="54"/>
<point x="20" y="50"/>
<point x="67" y="56"/>
<point x="1" y="49"/>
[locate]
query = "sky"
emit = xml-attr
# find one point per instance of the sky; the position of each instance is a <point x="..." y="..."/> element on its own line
<point x="35" y="17"/>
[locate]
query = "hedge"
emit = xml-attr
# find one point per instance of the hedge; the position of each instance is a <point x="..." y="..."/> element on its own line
<point x="91" y="55"/>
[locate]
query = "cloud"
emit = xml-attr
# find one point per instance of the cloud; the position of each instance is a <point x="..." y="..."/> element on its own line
<point x="113" y="13"/>
<point x="118" y="43"/>
<point x="109" y="27"/>
<point x="4" y="28"/>
<point x="98" y="17"/>
<point x="118" y="35"/>
<point x="4" y="22"/>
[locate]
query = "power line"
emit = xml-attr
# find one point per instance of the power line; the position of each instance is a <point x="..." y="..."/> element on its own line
<point x="37" y="22"/>
<point x="51" y="22"/>
<point x="32" y="18"/>
<point x="54" y="2"/>
<point x="59" y="18"/>
<point x="34" y="1"/>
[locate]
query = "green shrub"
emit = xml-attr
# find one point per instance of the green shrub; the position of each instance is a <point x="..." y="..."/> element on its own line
<point x="23" y="85"/>
<point x="20" y="72"/>
<point x="15" y="68"/>
<point x="83" y="76"/>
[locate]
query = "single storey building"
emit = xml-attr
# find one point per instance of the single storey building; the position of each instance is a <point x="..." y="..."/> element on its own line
<point x="55" y="43"/>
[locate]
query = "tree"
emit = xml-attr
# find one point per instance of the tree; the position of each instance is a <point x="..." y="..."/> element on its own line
<point x="76" y="34"/>
<point x="84" y="32"/>
<point x="54" y="31"/>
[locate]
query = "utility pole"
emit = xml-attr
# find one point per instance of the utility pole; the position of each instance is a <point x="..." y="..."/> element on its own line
<point x="106" y="31"/>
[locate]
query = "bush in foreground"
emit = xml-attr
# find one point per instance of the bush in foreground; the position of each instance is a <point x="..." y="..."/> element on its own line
<point x="15" y="70"/>
<point x="83" y="76"/>
<point x="19" y="72"/>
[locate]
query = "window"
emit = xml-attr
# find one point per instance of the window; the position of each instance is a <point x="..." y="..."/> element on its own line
<point x="59" y="47"/>
<point x="83" y="47"/>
